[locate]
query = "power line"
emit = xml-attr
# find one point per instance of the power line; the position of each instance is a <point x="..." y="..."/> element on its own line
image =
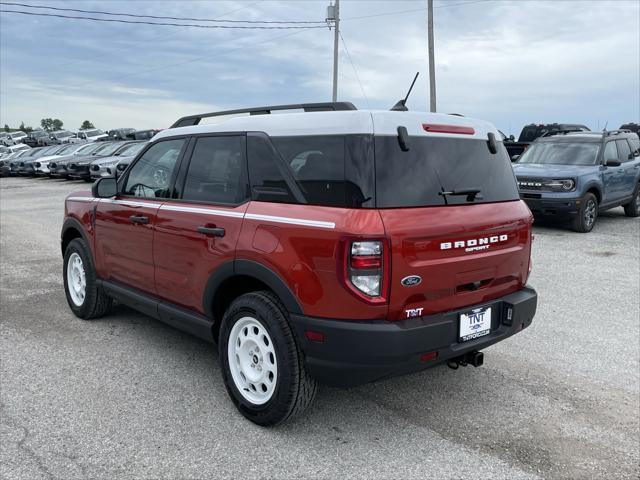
<point x="165" y="24"/>
<point x="355" y="70"/>
<point x="131" y="45"/>
<point x="402" y="12"/>
<point x="156" y="17"/>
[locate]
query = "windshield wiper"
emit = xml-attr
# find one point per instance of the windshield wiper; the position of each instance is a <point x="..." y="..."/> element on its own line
<point x="471" y="193"/>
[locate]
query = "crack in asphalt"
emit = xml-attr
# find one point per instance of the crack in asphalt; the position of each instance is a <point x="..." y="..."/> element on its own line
<point x="21" y="444"/>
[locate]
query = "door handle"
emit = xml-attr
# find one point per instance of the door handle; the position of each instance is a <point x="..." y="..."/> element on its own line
<point x="139" y="219"/>
<point x="212" y="231"/>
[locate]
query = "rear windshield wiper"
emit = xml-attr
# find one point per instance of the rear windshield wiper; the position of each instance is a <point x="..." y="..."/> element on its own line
<point x="471" y="193"/>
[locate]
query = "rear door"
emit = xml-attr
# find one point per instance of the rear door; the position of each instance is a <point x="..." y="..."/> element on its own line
<point x="197" y="232"/>
<point x="612" y="177"/>
<point x="450" y="251"/>
<point x="125" y="224"/>
<point x="629" y="167"/>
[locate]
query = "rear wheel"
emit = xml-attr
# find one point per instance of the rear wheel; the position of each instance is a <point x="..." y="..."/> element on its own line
<point x="632" y="209"/>
<point x="587" y="215"/>
<point x="86" y="299"/>
<point x="262" y="365"/>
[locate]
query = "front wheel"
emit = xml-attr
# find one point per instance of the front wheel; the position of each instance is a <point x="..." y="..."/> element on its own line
<point x="632" y="209"/>
<point x="587" y="215"/>
<point x="86" y="299"/>
<point x="262" y="365"/>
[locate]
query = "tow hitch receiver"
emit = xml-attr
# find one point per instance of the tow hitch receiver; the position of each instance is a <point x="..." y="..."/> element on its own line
<point x="472" y="358"/>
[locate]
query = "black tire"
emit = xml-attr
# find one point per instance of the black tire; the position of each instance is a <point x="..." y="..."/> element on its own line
<point x="96" y="302"/>
<point x="632" y="209"/>
<point x="587" y="215"/>
<point x="294" y="389"/>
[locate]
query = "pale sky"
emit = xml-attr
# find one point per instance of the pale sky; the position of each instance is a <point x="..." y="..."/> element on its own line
<point x="511" y="62"/>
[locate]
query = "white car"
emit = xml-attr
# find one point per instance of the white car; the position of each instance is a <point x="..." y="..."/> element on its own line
<point x="14" y="138"/>
<point x="88" y="135"/>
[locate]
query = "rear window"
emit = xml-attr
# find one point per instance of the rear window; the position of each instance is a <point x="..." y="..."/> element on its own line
<point x="432" y="165"/>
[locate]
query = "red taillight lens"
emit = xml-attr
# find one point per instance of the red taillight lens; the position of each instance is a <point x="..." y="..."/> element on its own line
<point x="438" y="128"/>
<point x="366" y="267"/>
<point x="366" y="262"/>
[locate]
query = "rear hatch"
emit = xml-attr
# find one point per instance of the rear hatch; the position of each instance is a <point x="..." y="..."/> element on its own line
<point x="450" y="248"/>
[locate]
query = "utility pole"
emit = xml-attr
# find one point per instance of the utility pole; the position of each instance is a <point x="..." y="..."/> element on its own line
<point x="334" y="14"/>
<point x="432" y="62"/>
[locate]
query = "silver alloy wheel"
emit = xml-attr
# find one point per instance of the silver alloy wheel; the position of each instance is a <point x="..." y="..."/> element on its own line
<point x="76" y="280"/>
<point x="590" y="213"/>
<point x="252" y="360"/>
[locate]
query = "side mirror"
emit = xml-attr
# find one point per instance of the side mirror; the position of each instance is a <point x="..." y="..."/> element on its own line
<point x="105" y="187"/>
<point x="512" y="138"/>
<point x="613" y="162"/>
<point x="514" y="158"/>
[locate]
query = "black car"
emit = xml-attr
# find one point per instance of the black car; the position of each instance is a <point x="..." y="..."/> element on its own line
<point x="36" y="138"/>
<point x="632" y="127"/>
<point x="118" y="134"/>
<point x="78" y="167"/>
<point x="532" y="131"/>
<point x="142" y="134"/>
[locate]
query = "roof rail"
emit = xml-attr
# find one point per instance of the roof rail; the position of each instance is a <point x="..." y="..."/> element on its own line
<point x="307" y="107"/>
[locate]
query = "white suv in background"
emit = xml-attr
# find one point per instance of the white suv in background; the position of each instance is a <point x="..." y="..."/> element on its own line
<point x="89" y="135"/>
<point x="14" y="138"/>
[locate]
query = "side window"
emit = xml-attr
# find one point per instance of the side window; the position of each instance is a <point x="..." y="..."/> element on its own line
<point x="217" y="171"/>
<point x="151" y="176"/>
<point x="317" y="163"/>
<point x="635" y="145"/>
<point x="267" y="173"/>
<point x="610" y="151"/>
<point x="623" y="150"/>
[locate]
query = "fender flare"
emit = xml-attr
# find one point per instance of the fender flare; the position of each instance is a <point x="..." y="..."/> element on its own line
<point x="70" y="223"/>
<point x="253" y="269"/>
<point x="593" y="185"/>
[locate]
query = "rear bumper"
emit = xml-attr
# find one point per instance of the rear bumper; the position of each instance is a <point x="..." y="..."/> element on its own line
<point x="558" y="207"/>
<point x="356" y="352"/>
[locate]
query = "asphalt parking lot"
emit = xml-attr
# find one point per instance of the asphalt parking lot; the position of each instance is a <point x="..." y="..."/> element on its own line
<point x="128" y="397"/>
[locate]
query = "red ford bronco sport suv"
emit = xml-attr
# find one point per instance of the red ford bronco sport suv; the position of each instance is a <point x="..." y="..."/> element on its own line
<point x="329" y="245"/>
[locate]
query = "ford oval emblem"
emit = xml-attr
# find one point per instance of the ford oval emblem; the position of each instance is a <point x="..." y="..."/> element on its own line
<point x="411" y="280"/>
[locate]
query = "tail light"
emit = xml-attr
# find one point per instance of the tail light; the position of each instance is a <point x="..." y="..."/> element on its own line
<point x="366" y="269"/>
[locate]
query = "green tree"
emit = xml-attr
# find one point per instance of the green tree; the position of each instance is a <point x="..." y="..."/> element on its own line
<point x="47" y="124"/>
<point x="86" y="125"/>
<point x="6" y="128"/>
<point x="24" y="128"/>
<point x="57" y="124"/>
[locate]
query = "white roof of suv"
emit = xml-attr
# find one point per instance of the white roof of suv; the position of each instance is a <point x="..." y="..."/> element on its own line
<point x="379" y="122"/>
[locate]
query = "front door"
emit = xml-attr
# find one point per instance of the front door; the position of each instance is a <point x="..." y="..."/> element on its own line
<point x="197" y="232"/>
<point x="125" y="224"/>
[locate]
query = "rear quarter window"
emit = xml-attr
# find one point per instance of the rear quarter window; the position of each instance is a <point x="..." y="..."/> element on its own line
<point x="330" y="170"/>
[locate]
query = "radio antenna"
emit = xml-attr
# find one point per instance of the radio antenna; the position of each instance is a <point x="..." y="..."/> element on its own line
<point x="401" y="106"/>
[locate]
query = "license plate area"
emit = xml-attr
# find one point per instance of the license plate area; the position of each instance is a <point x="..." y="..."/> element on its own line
<point x="474" y="324"/>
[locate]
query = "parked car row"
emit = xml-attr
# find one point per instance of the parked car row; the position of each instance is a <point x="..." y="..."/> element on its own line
<point x="86" y="161"/>
<point x="41" y="138"/>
